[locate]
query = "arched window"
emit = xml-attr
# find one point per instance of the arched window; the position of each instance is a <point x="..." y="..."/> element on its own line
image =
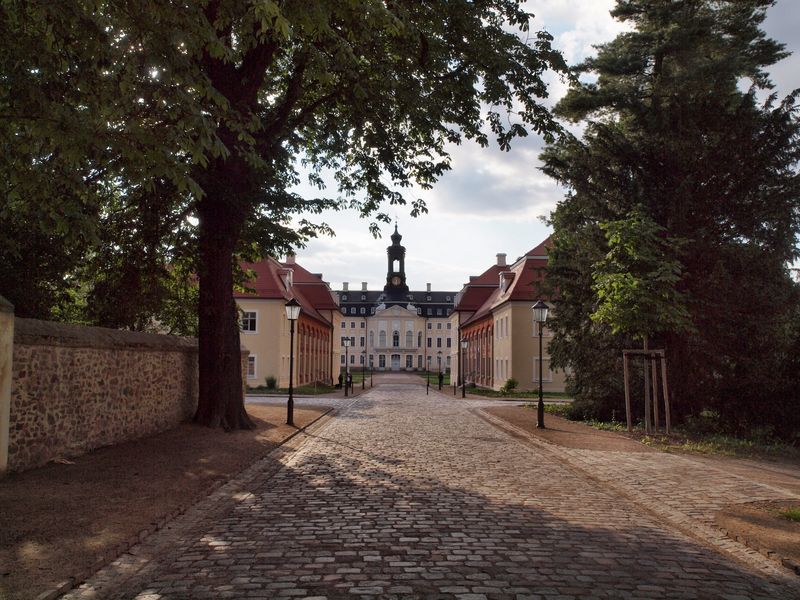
<point x="409" y="339"/>
<point x="396" y="339"/>
<point x="371" y="339"/>
<point x="382" y="339"/>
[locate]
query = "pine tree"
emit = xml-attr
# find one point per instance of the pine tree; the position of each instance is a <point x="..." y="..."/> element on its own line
<point x="673" y="130"/>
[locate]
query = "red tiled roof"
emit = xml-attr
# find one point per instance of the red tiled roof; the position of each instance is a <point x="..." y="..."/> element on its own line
<point x="541" y="249"/>
<point x="309" y="290"/>
<point x="524" y="279"/>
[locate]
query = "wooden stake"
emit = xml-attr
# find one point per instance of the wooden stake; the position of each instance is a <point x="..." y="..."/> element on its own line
<point x="627" y="391"/>
<point x="666" y="392"/>
<point x="647" y="406"/>
<point x="655" y="392"/>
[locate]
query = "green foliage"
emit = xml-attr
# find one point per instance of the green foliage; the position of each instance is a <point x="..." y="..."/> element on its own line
<point x="793" y="513"/>
<point x="681" y="216"/>
<point x="636" y="281"/>
<point x="509" y="386"/>
<point x="271" y="382"/>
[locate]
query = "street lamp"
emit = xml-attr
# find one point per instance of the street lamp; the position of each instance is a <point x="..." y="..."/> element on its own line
<point x="540" y="316"/>
<point x="292" y="313"/>
<point x="439" y="359"/>
<point x="363" y="367"/>
<point x="346" y="343"/>
<point x="462" y="367"/>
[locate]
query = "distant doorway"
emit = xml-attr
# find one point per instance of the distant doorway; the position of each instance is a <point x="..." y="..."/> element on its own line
<point x="395" y="362"/>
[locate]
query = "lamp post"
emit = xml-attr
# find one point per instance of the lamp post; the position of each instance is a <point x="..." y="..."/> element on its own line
<point x="292" y="313"/>
<point x="462" y="367"/>
<point x="439" y="360"/>
<point x="363" y="366"/>
<point x="540" y="316"/>
<point x="346" y="343"/>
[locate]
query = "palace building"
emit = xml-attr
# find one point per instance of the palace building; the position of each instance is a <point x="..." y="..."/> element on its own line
<point x="396" y="328"/>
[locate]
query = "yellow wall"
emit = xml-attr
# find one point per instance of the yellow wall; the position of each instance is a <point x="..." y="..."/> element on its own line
<point x="525" y="349"/>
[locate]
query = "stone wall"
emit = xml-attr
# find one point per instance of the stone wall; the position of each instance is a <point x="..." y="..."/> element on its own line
<point x="76" y="388"/>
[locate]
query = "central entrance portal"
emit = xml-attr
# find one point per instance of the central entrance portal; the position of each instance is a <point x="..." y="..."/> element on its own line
<point x="395" y="362"/>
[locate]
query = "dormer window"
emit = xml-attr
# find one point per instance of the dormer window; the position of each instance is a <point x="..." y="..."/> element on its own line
<point x="429" y="298"/>
<point x="363" y="296"/>
<point x="344" y="296"/>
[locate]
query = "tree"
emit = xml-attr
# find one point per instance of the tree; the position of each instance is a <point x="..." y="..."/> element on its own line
<point x="221" y="98"/>
<point x="669" y="132"/>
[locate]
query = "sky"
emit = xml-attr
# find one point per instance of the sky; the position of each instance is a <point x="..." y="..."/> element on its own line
<point x="492" y="201"/>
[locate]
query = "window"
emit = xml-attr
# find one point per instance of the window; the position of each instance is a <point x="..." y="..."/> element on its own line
<point x="382" y="339"/>
<point x="363" y="310"/>
<point x="382" y="361"/>
<point x="344" y="337"/>
<point x="344" y="296"/>
<point x="371" y="360"/>
<point x="438" y="342"/>
<point x="352" y="359"/>
<point x="430" y="325"/>
<point x="361" y="359"/>
<point x="430" y="341"/>
<point x="363" y="324"/>
<point x="396" y="339"/>
<point x="419" y="340"/>
<point x="439" y="311"/>
<point x="361" y="341"/>
<point x="547" y="374"/>
<point x="342" y="359"/>
<point x="352" y="341"/>
<point x="429" y="298"/>
<point x="409" y="362"/>
<point x="438" y="326"/>
<point x="448" y="343"/>
<point x="352" y="324"/>
<point x="363" y="296"/>
<point x="449" y="325"/>
<point x="447" y="298"/>
<point x="249" y="321"/>
<point x="429" y="312"/>
<point x="251" y="367"/>
<point x="343" y="324"/>
<point x="419" y="361"/>
<point x="372" y="310"/>
<point x="353" y="310"/>
<point x="409" y="339"/>
<point x="372" y="339"/>
<point x="344" y="310"/>
<point x="419" y="311"/>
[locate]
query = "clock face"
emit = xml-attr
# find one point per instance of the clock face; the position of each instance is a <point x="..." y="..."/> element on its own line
<point x="395" y="280"/>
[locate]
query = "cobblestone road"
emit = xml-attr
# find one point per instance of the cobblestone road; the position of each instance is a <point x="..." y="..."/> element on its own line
<point x="408" y="495"/>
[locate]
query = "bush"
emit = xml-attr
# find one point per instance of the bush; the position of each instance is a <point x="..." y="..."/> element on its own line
<point x="272" y="383"/>
<point x="509" y="386"/>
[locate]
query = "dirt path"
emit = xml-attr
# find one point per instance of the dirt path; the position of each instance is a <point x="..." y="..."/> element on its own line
<point x="67" y="520"/>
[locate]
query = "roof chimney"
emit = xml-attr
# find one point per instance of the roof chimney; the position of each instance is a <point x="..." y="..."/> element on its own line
<point x="363" y="286"/>
<point x="345" y="285"/>
<point x="428" y="286"/>
<point x="501" y="259"/>
<point x="290" y="258"/>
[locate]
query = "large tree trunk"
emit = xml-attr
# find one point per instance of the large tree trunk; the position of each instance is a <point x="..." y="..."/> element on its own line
<point x="221" y="401"/>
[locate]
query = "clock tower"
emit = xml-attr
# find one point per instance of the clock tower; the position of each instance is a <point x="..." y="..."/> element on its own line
<point x="396" y="272"/>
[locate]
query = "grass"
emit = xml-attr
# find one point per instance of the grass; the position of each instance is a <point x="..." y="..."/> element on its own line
<point x="685" y="440"/>
<point x="490" y="393"/>
<point x="305" y="390"/>
<point x="433" y="378"/>
<point x="792" y="513"/>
